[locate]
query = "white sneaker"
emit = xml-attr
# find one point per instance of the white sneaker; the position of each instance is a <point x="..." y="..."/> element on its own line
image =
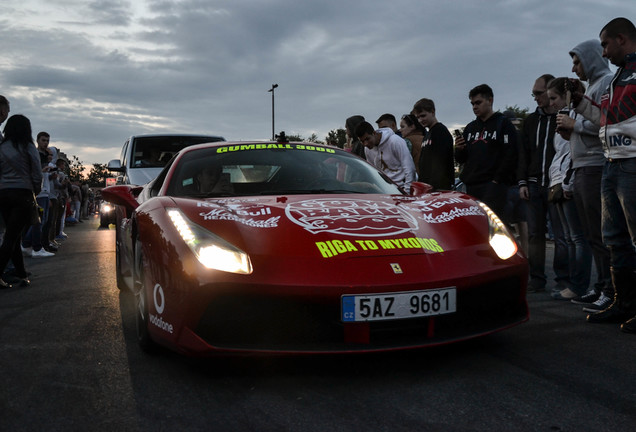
<point x="27" y="252"/>
<point x="42" y="253"/>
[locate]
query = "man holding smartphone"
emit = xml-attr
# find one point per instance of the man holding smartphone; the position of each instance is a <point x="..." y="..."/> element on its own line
<point x="487" y="150"/>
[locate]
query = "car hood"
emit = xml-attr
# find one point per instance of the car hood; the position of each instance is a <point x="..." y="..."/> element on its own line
<point x="343" y="225"/>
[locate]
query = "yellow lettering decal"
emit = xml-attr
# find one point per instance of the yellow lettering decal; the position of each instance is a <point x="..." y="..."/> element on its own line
<point x="339" y="246"/>
<point x="386" y="244"/>
<point x="324" y="250"/>
<point x="331" y="248"/>
<point x="414" y="243"/>
<point x="247" y="147"/>
<point x="405" y="243"/>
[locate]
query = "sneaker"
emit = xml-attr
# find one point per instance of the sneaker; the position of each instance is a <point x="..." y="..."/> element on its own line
<point x="51" y="248"/>
<point x="42" y="254"/>
<point x="27" y="252"/>
<point x="587" y="298"/>
<point x="566" y="294"/>
<point x="602" y="303"/>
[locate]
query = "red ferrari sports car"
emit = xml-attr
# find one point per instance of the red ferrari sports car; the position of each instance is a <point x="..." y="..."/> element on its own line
<point x="278" y="247"/>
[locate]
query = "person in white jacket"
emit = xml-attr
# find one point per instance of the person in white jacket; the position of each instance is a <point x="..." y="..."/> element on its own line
<point x="389" y="153"/>
<point x="561" y="174"/>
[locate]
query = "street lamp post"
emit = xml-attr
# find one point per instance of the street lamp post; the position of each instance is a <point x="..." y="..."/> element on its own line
<point x="272" y="91"/>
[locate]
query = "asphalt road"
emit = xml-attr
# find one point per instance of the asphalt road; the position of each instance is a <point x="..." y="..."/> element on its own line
<point x="69" y="362"/>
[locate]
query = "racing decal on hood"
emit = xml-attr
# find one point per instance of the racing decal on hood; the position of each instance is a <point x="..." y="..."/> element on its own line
<point x="351" y="217"/>
<point x="445" y="210"/>
<point x="332" y="248"/>
<point x="250" y="214"/>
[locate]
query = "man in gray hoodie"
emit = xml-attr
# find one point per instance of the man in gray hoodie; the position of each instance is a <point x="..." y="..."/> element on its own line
<point x="587" y="161"/>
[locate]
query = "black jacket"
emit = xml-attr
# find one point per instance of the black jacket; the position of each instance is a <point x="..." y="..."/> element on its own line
<point x="538" y="149"/>
<point x="490" y="153"/>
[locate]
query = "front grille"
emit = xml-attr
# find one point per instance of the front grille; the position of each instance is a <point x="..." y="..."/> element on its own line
<point x="302" y="324"/>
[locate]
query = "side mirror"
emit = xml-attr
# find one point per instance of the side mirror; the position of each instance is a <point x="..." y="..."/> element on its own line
<point x="125" y="196"/>
<point x="419" y="188"/>
<point x="115" y="165"/>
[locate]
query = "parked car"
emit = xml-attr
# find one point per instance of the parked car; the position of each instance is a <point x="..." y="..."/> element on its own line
<point x="142" y="159"/>
<point x="143" y="156"/>
<point x="106" y="214"/>
<point x="252" y="247"/>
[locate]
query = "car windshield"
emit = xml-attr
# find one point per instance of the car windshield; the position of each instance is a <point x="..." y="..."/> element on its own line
<point x="274" y="169"/>
<point x="156" y="151"/>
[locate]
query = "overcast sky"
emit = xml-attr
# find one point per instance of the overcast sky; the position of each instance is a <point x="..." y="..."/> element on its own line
<point x="92" y="73"/>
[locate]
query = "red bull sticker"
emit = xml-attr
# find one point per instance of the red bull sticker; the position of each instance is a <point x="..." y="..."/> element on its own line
<point x="351" y="217"/>
<point x="250" y="214"/>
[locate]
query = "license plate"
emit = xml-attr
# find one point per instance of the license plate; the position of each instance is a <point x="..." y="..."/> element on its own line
<point x="394" y="306"/>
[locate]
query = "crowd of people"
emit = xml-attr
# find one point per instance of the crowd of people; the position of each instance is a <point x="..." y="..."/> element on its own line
<point x="568" y="173"/>
<point x="37" y="197"/>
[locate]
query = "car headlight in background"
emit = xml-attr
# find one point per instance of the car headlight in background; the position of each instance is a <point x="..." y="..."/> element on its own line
<point x="502" y="242"/>
<point x="211" y="250"/>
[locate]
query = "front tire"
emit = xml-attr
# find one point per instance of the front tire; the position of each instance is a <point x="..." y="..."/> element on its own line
<point x="141" y="306"/>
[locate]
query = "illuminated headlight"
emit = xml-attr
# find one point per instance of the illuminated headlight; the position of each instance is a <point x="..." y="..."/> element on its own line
<point x="211" y="250"/>
<point x="499" y="237"/>
<point x="107" y="208"/>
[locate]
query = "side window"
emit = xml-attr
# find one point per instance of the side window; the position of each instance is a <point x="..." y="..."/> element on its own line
<point x="124" y="154"/>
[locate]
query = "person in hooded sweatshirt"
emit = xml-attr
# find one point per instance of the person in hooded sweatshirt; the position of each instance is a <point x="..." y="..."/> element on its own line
<point x="388" y="152"/>
<point x="586" y="152"/>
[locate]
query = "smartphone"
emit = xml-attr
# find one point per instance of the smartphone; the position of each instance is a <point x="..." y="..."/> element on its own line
<point x="457" y="133"/>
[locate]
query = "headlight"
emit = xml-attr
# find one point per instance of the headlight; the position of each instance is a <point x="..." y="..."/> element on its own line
<point x="107" y="208"/>
<point x="502" y="242"/>
<point x="211" y="250"/>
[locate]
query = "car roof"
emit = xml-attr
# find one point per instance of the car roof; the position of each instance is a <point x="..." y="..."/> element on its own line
<point x="174" y="135"/>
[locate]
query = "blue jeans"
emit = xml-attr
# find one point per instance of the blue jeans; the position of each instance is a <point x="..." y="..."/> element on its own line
<point x="579" y="251"/>
<point x="33" y="237"/>
<point x="587" y="196"/>
<point x="538" y="211"/>
<point x="618" y="192"/>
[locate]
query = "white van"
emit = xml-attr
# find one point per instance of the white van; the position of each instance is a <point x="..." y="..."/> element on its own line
<point x="144" y="156"/>
<point x="142" y="159"/>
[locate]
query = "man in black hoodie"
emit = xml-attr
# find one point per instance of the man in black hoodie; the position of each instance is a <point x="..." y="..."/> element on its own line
<point x="487" y="150"/>
<point x="533" y="175"/>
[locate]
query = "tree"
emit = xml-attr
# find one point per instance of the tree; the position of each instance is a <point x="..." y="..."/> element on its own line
<point x="299" y="138"/>
<point x="97" y="175"/>
<point x="337" y="136"/>
<point x="521" y="114"/>
<point x="75" y="169"/>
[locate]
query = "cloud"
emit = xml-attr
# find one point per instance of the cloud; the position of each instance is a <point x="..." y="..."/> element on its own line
<point x="93" y="73"/>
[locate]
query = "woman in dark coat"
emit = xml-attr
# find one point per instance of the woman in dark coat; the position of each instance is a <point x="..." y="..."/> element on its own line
<point x="20" y="179"/>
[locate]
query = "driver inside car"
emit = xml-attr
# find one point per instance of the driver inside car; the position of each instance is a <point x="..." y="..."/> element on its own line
<point x="211" y="180"/>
